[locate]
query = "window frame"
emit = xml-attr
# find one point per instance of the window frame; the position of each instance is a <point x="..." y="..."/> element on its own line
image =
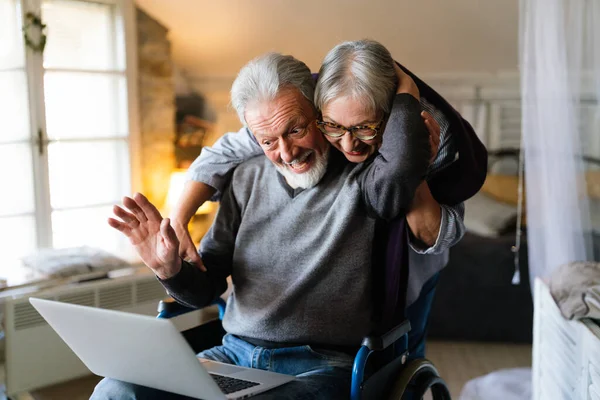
<point x="125" y="31"/>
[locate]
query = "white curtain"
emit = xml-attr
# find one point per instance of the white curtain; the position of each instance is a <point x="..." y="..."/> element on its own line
<point x="560" y="75"/>
<point x="560" y="84"/>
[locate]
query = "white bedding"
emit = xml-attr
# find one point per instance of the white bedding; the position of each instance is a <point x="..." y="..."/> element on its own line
<point x="60" y="263"/>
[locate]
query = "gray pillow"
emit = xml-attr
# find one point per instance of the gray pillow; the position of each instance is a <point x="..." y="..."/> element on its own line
<point x="576" y="289"/>
<point x="488" y="217"/>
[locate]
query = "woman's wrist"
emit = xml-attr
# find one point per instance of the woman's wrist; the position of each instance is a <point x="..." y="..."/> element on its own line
<point x="178" y="222"/>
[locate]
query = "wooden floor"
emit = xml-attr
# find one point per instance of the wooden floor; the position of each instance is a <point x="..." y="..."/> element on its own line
<point x="79" y="389"/>
<point x="457" y="362"/>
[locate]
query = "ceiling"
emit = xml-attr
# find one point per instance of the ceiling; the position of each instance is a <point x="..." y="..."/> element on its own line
<point x="212" y="39"/>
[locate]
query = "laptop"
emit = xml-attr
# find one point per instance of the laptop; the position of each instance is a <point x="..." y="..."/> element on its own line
<point x="150" y="352"/>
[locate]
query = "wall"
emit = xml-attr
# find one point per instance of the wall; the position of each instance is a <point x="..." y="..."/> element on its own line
<point x="459" y="40"/>
<point x="215" y="38"/>
<point x="156" y="106"/>
<point x="464" y="91"/>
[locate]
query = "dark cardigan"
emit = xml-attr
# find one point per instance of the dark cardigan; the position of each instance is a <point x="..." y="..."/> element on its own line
<point x="464" y="177"/>
<point x="452" y="185"/>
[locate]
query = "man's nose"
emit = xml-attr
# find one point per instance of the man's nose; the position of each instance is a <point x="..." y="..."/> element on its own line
<point x="286" y="150"/>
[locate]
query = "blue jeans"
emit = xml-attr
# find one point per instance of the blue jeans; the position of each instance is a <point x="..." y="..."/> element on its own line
<point x="320" y="374"/>
<point x="418" y="315"/>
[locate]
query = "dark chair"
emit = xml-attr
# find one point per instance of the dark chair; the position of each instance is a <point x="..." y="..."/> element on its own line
<point x="372" y="378"/>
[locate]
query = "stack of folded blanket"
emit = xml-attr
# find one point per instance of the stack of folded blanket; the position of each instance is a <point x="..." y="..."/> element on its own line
<point x="576" y="289"/>
<point x="60" y="263"/>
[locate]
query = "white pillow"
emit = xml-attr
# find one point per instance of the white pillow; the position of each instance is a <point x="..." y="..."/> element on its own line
<point x="61" y="263"/>
<point x="504" y="384"/>
<point x="486" y="216"/>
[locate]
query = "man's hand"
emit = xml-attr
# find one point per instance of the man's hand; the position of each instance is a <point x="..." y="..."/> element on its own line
<point x="152" y="236"/>
<point x="405" y="83"/>
<point x="434" y="134"/>
<point x="187" y="248"/>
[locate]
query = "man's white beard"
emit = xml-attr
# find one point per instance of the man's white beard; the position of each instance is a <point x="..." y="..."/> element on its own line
<point x="309" y="178"/>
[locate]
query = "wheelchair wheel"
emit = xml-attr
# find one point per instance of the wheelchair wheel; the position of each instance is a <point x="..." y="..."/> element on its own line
<point x="415" y="379"/>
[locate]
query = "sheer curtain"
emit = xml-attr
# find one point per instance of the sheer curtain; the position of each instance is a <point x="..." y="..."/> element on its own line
<point x="560" y="77"/>
<point x="560" y="88"/>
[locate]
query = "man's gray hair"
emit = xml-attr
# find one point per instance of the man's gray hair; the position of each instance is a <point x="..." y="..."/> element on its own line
<point x="362" y="69"/>
<point x="263" y="77"/>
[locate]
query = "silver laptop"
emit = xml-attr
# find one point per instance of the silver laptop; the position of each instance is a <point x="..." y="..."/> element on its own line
<point x="150" y="352"/>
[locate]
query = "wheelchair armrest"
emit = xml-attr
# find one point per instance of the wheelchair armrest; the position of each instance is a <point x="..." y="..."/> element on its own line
<point x="170" y="308"/>
<point x="378" y="343"/>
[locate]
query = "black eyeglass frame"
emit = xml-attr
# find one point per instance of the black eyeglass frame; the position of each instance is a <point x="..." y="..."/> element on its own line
<point x="376" y="128"/>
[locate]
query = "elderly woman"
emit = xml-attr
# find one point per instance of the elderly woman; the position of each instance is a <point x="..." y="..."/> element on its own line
<point x="355" y="97"/>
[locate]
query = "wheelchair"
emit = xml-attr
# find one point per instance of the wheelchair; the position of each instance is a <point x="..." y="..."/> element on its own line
<point x="371" y="379"/>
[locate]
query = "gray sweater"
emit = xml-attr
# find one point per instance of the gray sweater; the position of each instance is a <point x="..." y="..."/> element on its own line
<point x="215" y="165"/>
<point x="300" y="259"/>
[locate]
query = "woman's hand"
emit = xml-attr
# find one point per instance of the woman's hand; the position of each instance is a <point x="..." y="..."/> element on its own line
<point x="193" y="195"/>
<point x="434" y="134"/>
<point x="425" y="216"/>
<point x="405" y="83"/>
<point x="187" y="249"/>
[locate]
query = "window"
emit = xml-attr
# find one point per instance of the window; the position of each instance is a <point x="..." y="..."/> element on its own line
<point x="65" y="125"/>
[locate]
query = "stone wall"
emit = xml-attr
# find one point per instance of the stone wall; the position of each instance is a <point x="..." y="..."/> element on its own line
<point x="156" y="107"/>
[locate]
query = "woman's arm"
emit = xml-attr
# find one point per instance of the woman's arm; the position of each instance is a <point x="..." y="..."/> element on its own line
<point x="434" y="227"/>
<point x="196" y="288"/>
<point x="193" y="196"/>
<point x="216" y="163"/>
<point x="390" y="180"/>
<point x="208" y="176"/>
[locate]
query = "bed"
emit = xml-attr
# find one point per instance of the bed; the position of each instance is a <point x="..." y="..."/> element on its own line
<point x="475" y="298"/>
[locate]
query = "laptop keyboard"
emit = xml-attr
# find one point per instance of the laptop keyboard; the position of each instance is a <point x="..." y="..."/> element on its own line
<point x="231" y="385"/>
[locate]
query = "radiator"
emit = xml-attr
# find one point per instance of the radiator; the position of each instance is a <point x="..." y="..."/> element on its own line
<point x="566" y="354"/>
<point x="36" y="356"/>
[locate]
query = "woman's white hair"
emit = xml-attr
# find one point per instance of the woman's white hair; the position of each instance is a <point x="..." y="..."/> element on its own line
<point x="263" y="77"/>
<point x="363" y="70"/>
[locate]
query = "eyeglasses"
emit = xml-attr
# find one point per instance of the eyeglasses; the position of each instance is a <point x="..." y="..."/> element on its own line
<point x="361" y="132"/>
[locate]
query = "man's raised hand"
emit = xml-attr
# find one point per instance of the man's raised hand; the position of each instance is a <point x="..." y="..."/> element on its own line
<point x="152" y="236"/>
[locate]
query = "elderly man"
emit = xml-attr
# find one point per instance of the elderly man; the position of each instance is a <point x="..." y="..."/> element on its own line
<point x="295" y="232"/>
